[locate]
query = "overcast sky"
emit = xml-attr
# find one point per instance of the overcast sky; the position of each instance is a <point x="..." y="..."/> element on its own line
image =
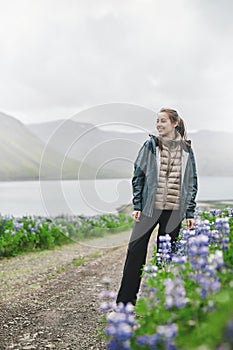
<point x="59" y="57"/>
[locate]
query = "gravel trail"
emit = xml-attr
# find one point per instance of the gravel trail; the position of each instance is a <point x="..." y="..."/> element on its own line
<point x="49" y="299"/>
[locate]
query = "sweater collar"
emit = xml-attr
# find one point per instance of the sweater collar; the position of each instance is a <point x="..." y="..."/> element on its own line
<point x="171" y="143"/>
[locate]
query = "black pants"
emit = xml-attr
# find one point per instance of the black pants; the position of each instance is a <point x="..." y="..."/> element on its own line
<point x="169" y="223"/>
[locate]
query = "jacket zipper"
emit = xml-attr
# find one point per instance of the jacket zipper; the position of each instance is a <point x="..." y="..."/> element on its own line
<point x="167" y="172"/>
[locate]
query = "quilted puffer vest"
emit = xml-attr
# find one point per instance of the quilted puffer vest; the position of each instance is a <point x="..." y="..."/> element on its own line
<point x="169" y="181"/>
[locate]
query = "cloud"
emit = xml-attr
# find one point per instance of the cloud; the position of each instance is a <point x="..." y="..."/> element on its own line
<point x="59" y="57"/>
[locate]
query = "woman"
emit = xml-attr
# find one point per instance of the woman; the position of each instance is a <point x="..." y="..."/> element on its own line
<point x="164" y="191"/>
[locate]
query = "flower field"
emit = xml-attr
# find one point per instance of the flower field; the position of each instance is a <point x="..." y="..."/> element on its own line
<point x="29" y="233"/>
<point x="186" y="299"/>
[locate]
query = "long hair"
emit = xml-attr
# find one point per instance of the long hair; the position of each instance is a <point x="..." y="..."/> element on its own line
<point x="174" y="116"/>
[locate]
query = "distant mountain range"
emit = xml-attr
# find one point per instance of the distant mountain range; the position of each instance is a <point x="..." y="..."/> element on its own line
<point x="21" y="152"/>
<point x="213" y="151"/>
<point x="68" y="149"/>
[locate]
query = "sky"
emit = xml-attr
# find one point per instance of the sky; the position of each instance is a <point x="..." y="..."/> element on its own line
<point x="61" y="57"/>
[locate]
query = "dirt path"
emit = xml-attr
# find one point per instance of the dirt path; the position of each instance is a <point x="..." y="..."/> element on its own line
<point x="49" y="299"/>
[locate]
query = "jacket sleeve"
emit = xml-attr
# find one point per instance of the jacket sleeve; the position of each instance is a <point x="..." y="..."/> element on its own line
<point x="138" y="179"/>
<point x="193" y="187"/>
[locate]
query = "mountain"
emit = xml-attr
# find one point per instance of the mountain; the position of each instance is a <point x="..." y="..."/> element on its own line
<point x="110" y="151"/>
<point x="117" y="150"/>
<point x="23" y="155"/>
<point x="68" y="149"/>
<point x="213" y="151"/>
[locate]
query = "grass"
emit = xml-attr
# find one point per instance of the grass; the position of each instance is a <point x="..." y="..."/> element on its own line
<point x="79" y="262"/>
<point x="94" y="255"/>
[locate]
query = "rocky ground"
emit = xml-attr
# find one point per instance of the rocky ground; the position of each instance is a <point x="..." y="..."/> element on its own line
<point x="49" y="299"/>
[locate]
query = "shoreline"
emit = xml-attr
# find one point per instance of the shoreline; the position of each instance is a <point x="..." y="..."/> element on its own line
<point x="209" y="203"/>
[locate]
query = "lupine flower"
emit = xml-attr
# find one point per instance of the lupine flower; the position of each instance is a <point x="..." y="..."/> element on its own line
<point x="150" y="271"/>
<point x="175" y="294"/>
<point x="216" y="237"/>
<point x="107" y="294"/>
<point x="223" y="228"/>
<point x="105" y="306"/>
<point x="179" y="260"/>
<point x="182" y="244"/>
<point x="207" y="284"/>
<point x="120" y="326"/>
<point x="168" y="331"/>
<point x="215" y="262"/>
<point x="165" y="335"/>
<point x="229" y="212"/>
<point x="222" y="225"/>
<point x="225" y="242"/>
<point x="17" y="225"/>
<point x="150" y="340"/>
<point x="215" y="212"/>
<point x="164" y="250"/>
<point x="108" y="304"/>
<point x="198" y="251"/>
<point x="203" y="228"/>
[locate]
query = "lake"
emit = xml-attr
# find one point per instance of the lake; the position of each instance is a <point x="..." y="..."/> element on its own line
<point x="88" y="197"/>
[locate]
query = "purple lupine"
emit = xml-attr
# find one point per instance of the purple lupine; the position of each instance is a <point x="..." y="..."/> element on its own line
<point x="151" y="340"/>
<point x="150" y="271"/>
<point x="17" y="225"/>
<point x="204" y="272"/>
<point x="223" y="228"/>
<point x="215" y="212"/>
<point x="222" y="225"/>
<point x="207" y="284"/>
<point x="120" y="326"/>
<point x="183" y="242"/>
<point x="198" y="251"/>
<point x="175" y="293"/>
<point x="108" y="304"/>
<point x="179" y="262"/>
<point x="215" y="262"/>
<point x="169" y="331"/>
<point x="216" y="237"/>
<point x="229" y="212"/>
<point x="164" y="251"/>
<point x="225" y="243"/>
<point x="179" y="259"/>
<point x="165" y="335"/>
<point x="203" y="228"/>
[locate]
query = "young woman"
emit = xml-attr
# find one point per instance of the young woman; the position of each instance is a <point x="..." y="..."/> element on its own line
<point x="164" y="191"/>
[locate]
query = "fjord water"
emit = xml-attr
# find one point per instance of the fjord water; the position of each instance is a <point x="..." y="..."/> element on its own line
<point x="88" y="197"/>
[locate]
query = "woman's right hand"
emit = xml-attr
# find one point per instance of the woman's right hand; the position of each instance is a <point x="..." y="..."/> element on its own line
<point x="136" y="215"/>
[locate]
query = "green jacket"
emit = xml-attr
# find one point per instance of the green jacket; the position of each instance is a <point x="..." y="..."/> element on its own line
<point x="145" y="177"/>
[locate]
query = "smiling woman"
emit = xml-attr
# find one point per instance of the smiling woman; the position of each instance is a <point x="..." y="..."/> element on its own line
<point x="164" y="191"/>
<point x="167" y="120"/>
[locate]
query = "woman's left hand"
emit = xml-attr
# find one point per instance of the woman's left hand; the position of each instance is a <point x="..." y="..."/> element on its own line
<point x="190" y="223"/>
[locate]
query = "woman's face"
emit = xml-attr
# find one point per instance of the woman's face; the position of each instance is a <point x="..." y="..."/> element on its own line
<point x="164" y="125"/>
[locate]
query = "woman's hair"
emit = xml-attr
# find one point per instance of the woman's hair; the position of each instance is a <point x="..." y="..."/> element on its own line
<point x="174" y="117"/>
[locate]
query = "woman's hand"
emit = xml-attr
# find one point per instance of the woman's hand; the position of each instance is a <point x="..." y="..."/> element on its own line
<point x="190" y="223"/>
<point x="136" y="215"/>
